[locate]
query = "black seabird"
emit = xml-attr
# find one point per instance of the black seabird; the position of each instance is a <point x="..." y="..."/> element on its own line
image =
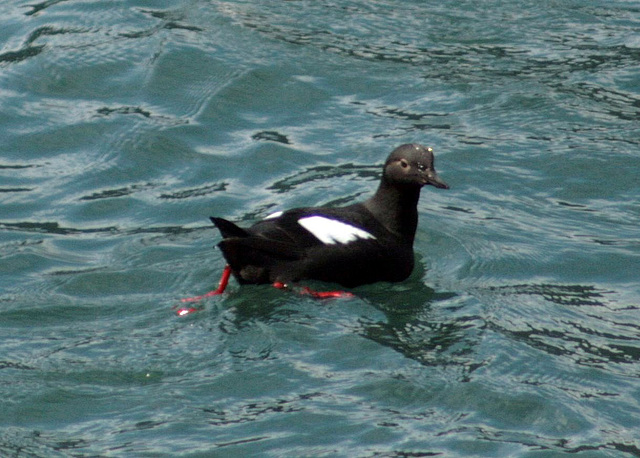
<point x="361" y="243"/>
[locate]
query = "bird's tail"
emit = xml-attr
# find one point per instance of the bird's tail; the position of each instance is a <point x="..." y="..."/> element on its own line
<point x="228" y="229"/>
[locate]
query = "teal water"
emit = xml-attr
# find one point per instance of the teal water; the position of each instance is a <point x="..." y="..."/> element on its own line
<point x="125" y="125"/>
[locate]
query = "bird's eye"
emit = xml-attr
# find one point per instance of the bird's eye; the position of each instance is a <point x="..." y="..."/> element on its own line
<point x="404" y="163"/>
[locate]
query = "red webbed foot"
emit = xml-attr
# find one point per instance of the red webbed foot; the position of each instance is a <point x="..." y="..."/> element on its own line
<point x="306" y="291"/>
<point x="222" y="285"/>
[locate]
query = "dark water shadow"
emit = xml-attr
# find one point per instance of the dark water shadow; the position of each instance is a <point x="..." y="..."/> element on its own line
<point x="54" y="228"/>
<point x="11" y="57"/>
<point x="417" y="328"/>
<point x="326" y="172"/>
<point x="38" y="7"/>
<point x="583" y="323"/>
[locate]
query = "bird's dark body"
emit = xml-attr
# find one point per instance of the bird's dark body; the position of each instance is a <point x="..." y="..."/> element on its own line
<point x="362" y="243"/>
<point x="284" y="251"/>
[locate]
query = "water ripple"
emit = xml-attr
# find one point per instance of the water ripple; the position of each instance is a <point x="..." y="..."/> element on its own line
<point x="125" y="128"/>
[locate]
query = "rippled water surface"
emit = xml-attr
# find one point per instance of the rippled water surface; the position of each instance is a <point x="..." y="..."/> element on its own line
<point x="126" y="124"/>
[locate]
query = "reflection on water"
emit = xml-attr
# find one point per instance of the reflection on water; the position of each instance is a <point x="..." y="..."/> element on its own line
<point x="327" y="172"/>
<point x="583" y="323"/>
<point x="558" y="294"/>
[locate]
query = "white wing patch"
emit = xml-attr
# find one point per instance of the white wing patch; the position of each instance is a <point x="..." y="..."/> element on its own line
<point x="274" y="215"/>
<point x="331" y="231"/>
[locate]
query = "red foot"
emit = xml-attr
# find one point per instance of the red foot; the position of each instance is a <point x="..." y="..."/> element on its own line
<point x="325" y="294"/>
<point x="224" y="281"/>
<point x="317" y="294"/>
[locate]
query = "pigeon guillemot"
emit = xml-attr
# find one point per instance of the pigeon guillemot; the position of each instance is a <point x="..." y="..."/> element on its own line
<point x="362" y="243"/>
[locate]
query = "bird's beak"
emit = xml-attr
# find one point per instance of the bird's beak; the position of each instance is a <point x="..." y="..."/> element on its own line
<point x="433" y="179"/>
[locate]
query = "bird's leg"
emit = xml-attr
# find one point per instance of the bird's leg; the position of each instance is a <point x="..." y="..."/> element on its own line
<point x="306" y="291"/>
<point x="222" y="285"/>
